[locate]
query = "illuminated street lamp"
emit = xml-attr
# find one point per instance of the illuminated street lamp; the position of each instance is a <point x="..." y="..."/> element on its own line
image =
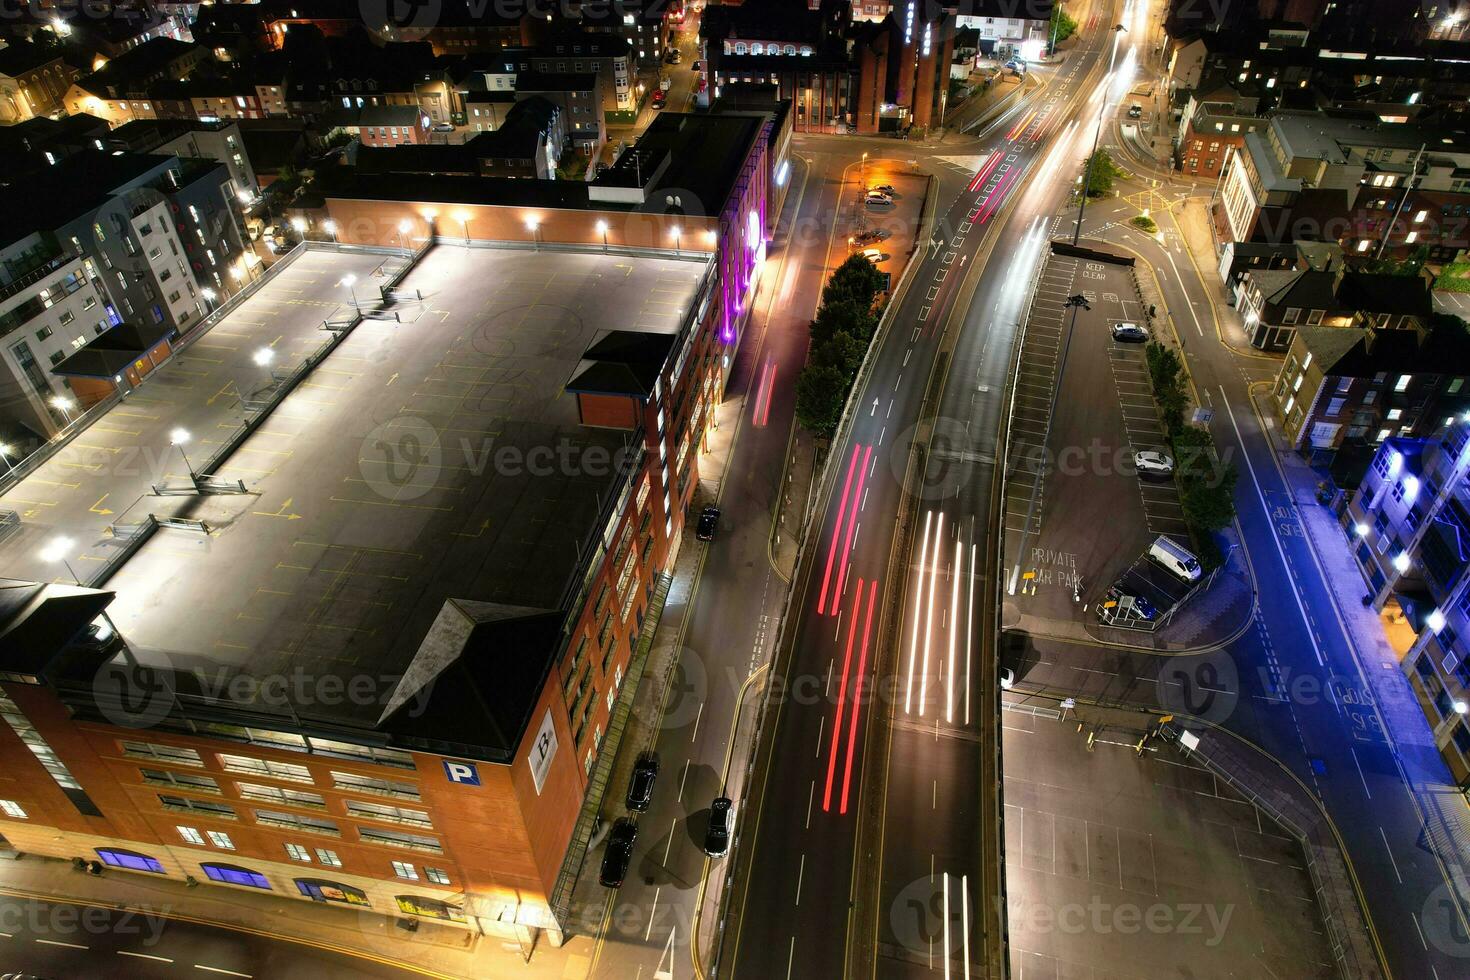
<point x="863" y="167"/>
<point x="403" y="227"/>
<point x="5" y="455"/>
<point x="65" y="405"/>
<point x="602" y="230"/>
<point x="678" y="238"/>
<point x="330" y="227"/>
<point x="347" y="281"/>
<point x="1461" y="707"/>
<point x="534" y="224"/>
<point x="56" y="551"/>
<point x="464" y="220"/>
<point x="263" y="357"/>
<point x="177" y="438"/>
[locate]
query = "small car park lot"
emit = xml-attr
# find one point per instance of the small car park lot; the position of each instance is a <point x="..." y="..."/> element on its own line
<point x="1093" y="513"/>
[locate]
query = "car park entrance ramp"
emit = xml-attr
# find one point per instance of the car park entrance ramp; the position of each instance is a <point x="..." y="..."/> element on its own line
<point x="1145" y="596"/>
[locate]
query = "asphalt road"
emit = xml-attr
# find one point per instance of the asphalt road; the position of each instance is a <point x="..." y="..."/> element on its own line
<point x="56" y="940"/>
<point x="731" y="623"/>
<point x="812" y="904"/>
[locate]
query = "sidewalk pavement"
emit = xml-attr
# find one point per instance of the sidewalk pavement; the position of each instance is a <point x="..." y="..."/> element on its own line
<point x="1441" y="804"/>
<point x="980" y="107"/>
<point x="430" y="950"/>
<point x="588" y="896"/>
<point x="791" y="513"/>
<point x="1193" y="223"/>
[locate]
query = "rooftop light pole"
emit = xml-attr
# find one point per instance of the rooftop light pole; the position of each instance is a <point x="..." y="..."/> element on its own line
<point x="56" y="551"/>
<point x="65" y="405"/>
<point x="602" y="230"/>
<point x="330" y="227"/>
<point x="534" y="224"/>
<point x="177" y="438"/>
<point x="5" y="455"/>
<point x="347" y="281"/>
<point x="678" y="238"/>
<point x="403" y="227"/>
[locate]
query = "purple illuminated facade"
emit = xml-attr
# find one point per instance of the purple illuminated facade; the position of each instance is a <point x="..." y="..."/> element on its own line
<point x="1408" y="526"/>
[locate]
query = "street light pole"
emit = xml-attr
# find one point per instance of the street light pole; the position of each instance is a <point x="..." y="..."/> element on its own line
<point x="178" y="437"/>
<point x="5" y="455"/>
<point x="1087" y="177"/>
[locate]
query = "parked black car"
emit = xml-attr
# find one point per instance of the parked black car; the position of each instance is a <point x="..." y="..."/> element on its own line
<point x="709" y="519"/>
<point x="717" y="833"/>
<point x="619" y="852"/>
<point x="640" y="786"/>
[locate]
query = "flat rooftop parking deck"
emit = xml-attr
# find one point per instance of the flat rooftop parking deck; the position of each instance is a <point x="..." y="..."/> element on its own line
<point x="428" y="459"/>
<point x="107" y="469"/>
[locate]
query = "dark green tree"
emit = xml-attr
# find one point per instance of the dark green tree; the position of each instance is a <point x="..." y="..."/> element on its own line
<point x="1104" y="172"/>
<point x="1210" y="504"/>
<point x="821" y="391"/>
<point x="1062" y="26"/>
<point x="842" y="351"/>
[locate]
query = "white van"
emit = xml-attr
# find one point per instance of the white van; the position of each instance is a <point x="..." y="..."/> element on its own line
<point x="1175" y="557"/>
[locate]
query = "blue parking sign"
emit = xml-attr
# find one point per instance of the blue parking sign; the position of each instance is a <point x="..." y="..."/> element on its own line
<point x="463" y="773"/>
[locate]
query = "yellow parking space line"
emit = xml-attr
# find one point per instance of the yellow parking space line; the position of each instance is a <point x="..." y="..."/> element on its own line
<point x="341" y="571"/>
<point x="97" y="508"/>
<point x="272" y="452"/>
<point x="230" y="646"/>
<point x="391" y="503"/>
<point x="417" y="486"/>
<point x="52" y="483"/>
<point x="79" y="466"/>
<point x="236" y="468"/>
<point x="224" y="390"/>
<point x="274" y="592"/>
<point x="104" y="449"/>
<point x="350" y="547"/>
<point x="318" y="384"/>
<point x="98" y="426"/>
<point x="34" y="503"/>
<point x="215" y="346"/>
<point x="284" y="512"/>
<point x="119" y="413"/>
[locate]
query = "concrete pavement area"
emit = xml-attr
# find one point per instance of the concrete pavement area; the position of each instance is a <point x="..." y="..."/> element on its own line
<point x="108" y="468"/>
<point x="373" y="496"/>
<point x="1129" y="865"/>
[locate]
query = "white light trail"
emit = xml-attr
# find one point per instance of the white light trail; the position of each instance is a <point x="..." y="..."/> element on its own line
<point x="969" y="626"/>
<point x="946" y="925"/>
<point x="954" y="626"/>
<point x="929" y="624"/>
<point x="908" y="693"/>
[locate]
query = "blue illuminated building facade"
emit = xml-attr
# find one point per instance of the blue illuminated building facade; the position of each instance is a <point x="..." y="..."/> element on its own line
<point x="1409" y="527"/>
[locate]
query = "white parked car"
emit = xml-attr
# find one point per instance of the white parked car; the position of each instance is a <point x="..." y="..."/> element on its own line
<point x="1152" y="463"/>
<point x="1130" y="333"/>
<point x="873" y="255"/>
<point x="877" y="199"/>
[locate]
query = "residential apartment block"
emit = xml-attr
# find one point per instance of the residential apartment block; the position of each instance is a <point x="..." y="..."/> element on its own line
<point x="1342" y="384"/>
<point x="1408" y="526"/>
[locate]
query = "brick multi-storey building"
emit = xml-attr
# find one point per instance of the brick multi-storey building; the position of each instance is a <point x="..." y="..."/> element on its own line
<point x="488" y="639"/>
